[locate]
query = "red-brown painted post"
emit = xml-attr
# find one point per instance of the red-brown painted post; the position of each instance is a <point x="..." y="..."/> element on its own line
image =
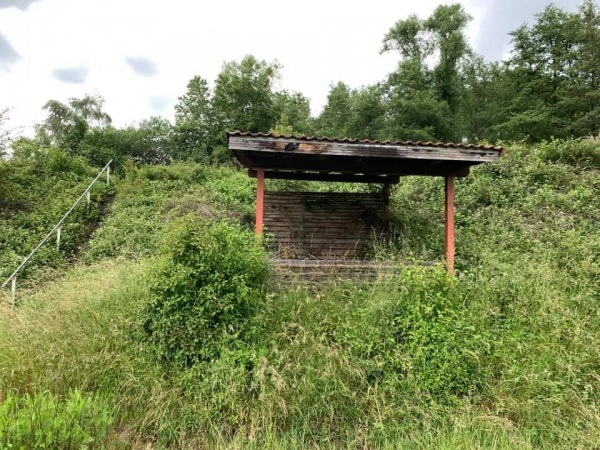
<point x="260" y="200"/>
<point x="449" y="223"/>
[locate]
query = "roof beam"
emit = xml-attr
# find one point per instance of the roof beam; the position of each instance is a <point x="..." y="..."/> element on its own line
<point x="325" y="176"/>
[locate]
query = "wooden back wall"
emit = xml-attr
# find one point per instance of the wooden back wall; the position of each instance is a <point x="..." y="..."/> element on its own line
<point x="322" y="225"/>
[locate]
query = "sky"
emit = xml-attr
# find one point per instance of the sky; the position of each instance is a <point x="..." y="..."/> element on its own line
<point x="140" y="54"/>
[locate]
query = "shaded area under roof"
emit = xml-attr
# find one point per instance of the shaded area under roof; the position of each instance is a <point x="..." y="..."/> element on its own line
<point x="353" y="160"/>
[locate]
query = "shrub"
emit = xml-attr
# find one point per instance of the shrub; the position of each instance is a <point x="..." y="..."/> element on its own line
<point x="441" y="340"/>
<point x="204" y="290"/>
<point x="45" y="421"/>
<point x="584" y="153"/>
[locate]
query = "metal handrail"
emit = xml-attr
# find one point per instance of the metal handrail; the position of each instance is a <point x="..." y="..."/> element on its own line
<point x="57" y="227"/>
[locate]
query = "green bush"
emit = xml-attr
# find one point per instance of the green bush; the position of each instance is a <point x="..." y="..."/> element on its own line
<point x="44" y="421"/>
<point x="204" y="290"/>
<point x="584" y="153"/>
<point x="417" y="336"/>
<point x="441" y="342"/>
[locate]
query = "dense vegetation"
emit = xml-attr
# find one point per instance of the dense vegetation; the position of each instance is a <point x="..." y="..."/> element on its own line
<point x="166" y="331"/>
<point x="504" y="356"/>
<point x="34" y="195"/>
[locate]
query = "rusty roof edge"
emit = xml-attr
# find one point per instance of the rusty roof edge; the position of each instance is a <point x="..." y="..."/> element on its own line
<point x="363" y="141"/>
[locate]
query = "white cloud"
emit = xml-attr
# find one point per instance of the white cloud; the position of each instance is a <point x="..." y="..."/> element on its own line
<point x="23" y="5"/>
<point x="8" y="55"/>
<point x="142" y="66"/>
<point x="317" y="42"/>
<point x="72" y="75"/>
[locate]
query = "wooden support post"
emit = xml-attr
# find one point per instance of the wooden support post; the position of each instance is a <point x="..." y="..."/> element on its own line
<point x="260" y="198"/>
<point x="449" y="223"/>
<point x="386" y="207"/>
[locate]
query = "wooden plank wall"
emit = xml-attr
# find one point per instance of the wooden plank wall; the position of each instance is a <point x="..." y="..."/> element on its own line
<point x="322" y="225"/>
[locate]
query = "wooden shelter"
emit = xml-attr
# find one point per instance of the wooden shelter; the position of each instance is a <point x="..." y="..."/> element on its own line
<point x="330" y="225"/>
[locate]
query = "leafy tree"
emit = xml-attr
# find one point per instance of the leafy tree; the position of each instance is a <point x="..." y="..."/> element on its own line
<point x="486" y="93"/>
<point x="102" y="145"/>
<point x="368" y="113"/>
<point x="412" y="109"/>
<point x="243" y="95"/>
<point x="447" y="27"/>
<point x="554" y="75"/>
<point x="293" y="111"/>
<point x="243" y="99"/>
<point x="423" y="100"/>
<point x="337" y="113"/>
<point x="151" y="142"/>
<point x="66" y="124"/>
<point x="197" y="126"/>
<point x="354" y="113"/>
<point x="26" y="148"/>
<point x="587" y="65"/>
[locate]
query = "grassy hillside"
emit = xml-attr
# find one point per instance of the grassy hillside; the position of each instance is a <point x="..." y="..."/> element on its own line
<point x="34" y="195"/>
<point x="504" y="356"/>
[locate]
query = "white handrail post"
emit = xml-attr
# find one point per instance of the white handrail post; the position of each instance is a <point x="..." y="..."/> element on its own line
<point x="87" y="196"/>
<point x="108" y="175"/>
<point x="13" y="291"/>
<point x="58" y="238"/>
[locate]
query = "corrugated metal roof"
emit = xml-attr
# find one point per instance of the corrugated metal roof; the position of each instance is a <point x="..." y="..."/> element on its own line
<point x="365" y="141"/>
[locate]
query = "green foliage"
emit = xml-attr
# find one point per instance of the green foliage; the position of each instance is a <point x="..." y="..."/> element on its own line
<point x="415" y="89"/>
<point x="441" y="345"/>
<point x="151" y="142"/>
<point x="582" y="153"/>
<point x="34" y="195"/>
<point x="441" y="90"/>
<point x="336" y="116"/>
<point x="204" y="290"/>
<point x="243" y="99"/>
<point x="44" y="421"/>
<point x="293" y="111"/>
<point x="67" y="125"/>
<point x="503" y="356"/>
<point x="149" y="197"/>
<point x="197" y="125"/>
<point x="355" y="113"/>
<point x="416" y="335"/>
<point x="243" y="95"/>
<point x="551" y="81"/>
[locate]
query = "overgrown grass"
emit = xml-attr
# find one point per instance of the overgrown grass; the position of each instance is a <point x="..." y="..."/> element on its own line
<point x="150" y="197"/>
<point x="338" y="368"/>
<point x="507" y="355"/>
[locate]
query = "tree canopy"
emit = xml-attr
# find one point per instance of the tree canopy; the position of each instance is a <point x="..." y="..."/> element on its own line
<point x="548" y="87"/>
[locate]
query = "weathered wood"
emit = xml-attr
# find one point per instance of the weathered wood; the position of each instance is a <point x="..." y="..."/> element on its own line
<point x="449" y="223"/>
<point x="327" y="176"/>
<point x="352" y="164"/>
<point x="260" y="194"/>
<point x="313" y="273"/>
<point x="322" y="224"/>
<point x="386" y="206"/>
<point x="365" y="150"/>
